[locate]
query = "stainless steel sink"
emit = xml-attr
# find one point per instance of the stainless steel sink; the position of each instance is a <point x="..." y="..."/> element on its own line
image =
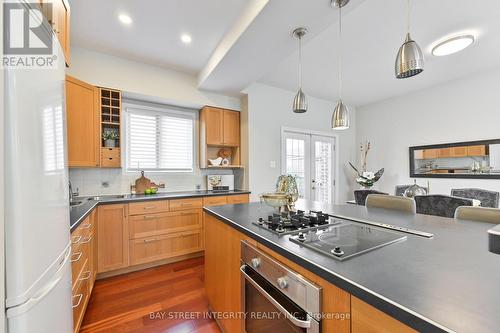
<point x="75" y="203"/>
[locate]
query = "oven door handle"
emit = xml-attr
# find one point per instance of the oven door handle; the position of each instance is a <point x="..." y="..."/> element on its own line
<point x="288" y="315"/>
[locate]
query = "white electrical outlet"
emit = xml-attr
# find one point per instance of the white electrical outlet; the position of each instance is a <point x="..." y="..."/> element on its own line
<point x="272" y="164"/>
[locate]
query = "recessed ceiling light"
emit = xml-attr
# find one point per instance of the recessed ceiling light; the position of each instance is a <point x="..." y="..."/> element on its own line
<point x="186" y="39"/>
<point x="125" y="19"/>
<point x="452" y="45"/>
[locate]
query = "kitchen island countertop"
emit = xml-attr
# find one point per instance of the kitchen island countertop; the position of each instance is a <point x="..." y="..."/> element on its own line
<point x="447" y="283"/>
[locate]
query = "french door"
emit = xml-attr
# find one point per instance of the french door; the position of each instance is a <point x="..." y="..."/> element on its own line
<point x="310" y="158"/>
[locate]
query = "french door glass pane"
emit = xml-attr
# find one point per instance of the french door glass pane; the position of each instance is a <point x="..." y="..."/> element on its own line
<point x="323" y="171"/>
<point x="295" y="162"/>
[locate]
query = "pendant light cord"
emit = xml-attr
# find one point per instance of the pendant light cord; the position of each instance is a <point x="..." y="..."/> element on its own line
<point x="340" y="52"/>
<point x="300" y="62"/>
<point x="408" y="20"/>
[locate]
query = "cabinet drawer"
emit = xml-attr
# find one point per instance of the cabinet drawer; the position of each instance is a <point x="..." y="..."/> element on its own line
<point x="181" y="204"/>
<point x="79" y="299"/>
<point x="214" y="201"/>
<point x="147" y="207"/>
<point x="149" y="249"/>
<point x="110" y="157"/>
<point x="237" y="199"/>
<point x="164" y="223"/>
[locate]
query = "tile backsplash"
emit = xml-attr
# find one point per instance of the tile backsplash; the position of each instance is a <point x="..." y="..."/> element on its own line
<point x="115" y="181"/>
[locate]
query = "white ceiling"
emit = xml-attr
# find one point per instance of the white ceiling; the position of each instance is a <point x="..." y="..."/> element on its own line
<point x="154" y="35"/>
<point x="238" y="42"/>
<point x="372" y="35"/>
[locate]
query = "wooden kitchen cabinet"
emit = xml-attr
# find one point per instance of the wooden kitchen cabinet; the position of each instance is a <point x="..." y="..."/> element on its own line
<point x="113" y="237"/>
<point x="479" y="150"/>
<point x="459" y="151"/>
<point x="213" y="121"/>
<point x="222" y="274"/>
<point x="430" y="153"/>
<point x="58" y="16"/>
<point x="83" y="127"/>
<point x="367" y="319"/>
<point x="219" y="128"/>
<point x="214" y="201"/>
<point x="149" y="225"/>
<point x="238" y="199"/>
<point x="231" y="132"/>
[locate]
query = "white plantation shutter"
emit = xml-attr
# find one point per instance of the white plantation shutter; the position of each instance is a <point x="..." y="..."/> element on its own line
<point x="159" y="140"/>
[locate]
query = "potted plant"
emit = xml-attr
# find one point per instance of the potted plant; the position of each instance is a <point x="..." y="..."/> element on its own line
<point x="110" y="137"/>
<point x="366" y="178"/>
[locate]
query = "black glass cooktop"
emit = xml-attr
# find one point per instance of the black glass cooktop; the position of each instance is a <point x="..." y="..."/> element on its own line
<point x="346" y="240"/>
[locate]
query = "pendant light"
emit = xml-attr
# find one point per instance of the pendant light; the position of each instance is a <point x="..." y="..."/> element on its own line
<point x="340" y="118"/>
<point x="410" y="60"/>
<point x="300" y="102"/>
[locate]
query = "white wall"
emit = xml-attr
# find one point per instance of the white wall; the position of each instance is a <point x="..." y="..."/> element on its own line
<point x="150" y="83"/>
<point x="463" y="110"/>
<point x="269" y="109"/>
<point x="171" y="86"/>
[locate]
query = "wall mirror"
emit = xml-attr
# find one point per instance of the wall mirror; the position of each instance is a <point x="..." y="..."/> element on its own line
<point x="474" y="159"/>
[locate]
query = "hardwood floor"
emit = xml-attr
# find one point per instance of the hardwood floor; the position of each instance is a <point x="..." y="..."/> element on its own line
<point x="169" y="298"/>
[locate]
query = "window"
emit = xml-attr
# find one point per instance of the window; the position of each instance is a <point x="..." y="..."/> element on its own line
<point x="159" y="139"/>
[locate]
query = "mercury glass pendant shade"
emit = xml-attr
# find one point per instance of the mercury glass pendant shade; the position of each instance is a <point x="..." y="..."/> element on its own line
<point x="410" y="60"/>
<point x="340" y="118"/>
<point x="300" y="102"/>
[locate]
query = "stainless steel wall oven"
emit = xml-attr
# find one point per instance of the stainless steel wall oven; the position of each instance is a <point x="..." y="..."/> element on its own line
<point x="275" y="298"/>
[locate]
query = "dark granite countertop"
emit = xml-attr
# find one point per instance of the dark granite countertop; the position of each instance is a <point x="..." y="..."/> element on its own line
<point x="448" y="283"/>
<point x="79" y="213"/>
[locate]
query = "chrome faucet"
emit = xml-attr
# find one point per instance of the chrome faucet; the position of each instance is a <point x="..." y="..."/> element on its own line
<point x="72" y="194"/>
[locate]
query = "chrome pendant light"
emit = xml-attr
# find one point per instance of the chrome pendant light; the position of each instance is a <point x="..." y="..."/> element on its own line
<point x="410" y="60"/>
<point x="340" y="117"/>
<point x="300" y="101"/>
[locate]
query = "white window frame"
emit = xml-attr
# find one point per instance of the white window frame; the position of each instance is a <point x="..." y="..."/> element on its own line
<point x="336" y="155"/>
<point x="153" y="109"/>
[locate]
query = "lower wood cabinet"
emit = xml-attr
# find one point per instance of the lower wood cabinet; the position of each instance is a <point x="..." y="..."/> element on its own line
<point x="113" y="236"/>
<point x="147" y="225"/>
<point x="238" y="199"/>
<point x="144" y="250"/>
<point x="367" y="319"/>
<point x="83" y="266"/>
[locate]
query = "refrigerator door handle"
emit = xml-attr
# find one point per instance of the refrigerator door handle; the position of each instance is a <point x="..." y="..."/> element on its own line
<point x="24" y="307"/>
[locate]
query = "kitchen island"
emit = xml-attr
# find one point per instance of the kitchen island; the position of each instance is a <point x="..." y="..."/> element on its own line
<point x="446" y="283"/>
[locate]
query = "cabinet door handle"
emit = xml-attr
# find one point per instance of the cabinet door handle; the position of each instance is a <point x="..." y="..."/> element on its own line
<point x="76" y="257"/>
<point x="187" y="213"/>
<point x="149" y="240"/>
<point x="80" y="296"/>
<point x="86" y="226"/>
<point x="89" y="274"/>
<point x="87" y="240"/>
<point x="150" y="207"/>
<point x="150" y="217"/>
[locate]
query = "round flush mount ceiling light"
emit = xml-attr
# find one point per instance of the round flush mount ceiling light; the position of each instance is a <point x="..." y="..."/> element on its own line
<point x="125" y="19"/>
<point x="452" y="45"/>
<point x="186" y="39"/>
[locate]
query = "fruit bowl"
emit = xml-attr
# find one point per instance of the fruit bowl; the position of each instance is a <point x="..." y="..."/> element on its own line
<point x="275" y="199"/>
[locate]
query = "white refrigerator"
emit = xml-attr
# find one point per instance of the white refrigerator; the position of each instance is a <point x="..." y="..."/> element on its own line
<point x="37" y="237"/>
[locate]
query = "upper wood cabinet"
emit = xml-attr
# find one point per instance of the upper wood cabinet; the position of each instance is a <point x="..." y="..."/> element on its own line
<point x="58" y="16"/>
<point x="476" y="150"/>
<point x="213" y="121"/>
<point x="113" y="236"/>
<point x="83" y="127"/>
<point x="231" y="132"/>
<point x="220" y="127"/>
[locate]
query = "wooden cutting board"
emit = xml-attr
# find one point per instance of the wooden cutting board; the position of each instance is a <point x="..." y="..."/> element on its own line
<point x="142" y="183"/>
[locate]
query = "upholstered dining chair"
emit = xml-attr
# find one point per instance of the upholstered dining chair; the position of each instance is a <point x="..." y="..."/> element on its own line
<point x="391" y="202"/>
<point x="440" y="205"/>
<point x="480" y="214"/>
<point x="487" y="198"/>
<point x="399" y="190"/>
<point x="360" y="195"/>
